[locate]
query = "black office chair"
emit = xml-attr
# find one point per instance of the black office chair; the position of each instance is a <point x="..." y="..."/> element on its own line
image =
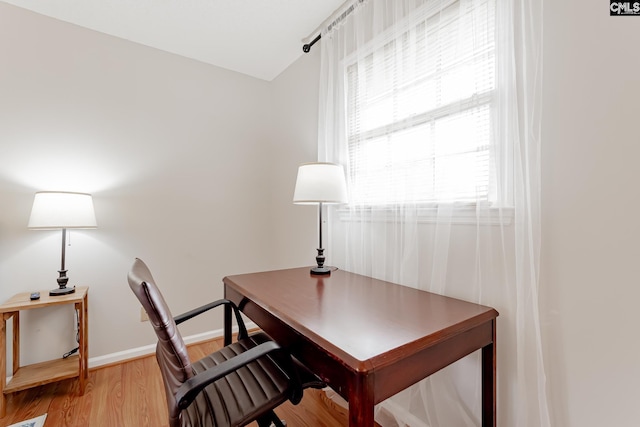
<point x="241" y="383"/>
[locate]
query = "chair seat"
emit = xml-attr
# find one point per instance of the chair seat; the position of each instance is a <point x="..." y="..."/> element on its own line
<point x="244" y="393"/>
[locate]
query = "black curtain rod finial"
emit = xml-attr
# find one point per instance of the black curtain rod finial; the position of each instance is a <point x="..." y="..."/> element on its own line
<point x="307" y="47"/>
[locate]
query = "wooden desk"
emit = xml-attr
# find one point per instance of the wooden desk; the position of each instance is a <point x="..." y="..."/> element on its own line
<point x="25" y="377"/>
<point x="368" y="339"/>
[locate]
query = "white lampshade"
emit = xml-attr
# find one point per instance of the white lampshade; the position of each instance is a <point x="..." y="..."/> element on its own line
<point x="320" y="183"/>
<point x="53" y="210"/>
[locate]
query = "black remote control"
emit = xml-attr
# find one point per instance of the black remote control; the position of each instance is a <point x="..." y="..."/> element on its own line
<point x="34" y="296"/>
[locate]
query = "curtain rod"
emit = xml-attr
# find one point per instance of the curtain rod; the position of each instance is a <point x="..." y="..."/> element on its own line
<point x="307" y="47"/>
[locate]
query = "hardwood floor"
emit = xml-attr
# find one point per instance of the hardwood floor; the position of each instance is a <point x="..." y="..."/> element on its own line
<point x="131" y="394"/>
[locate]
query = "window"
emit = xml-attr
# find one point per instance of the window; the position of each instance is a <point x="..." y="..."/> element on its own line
<point x="419" y="110"/>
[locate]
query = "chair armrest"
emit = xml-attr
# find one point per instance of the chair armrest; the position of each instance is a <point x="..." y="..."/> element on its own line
<point x="188" y="391"/>
<point x="242" y="329"/>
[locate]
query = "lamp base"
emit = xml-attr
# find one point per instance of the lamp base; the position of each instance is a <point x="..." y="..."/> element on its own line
<point x="63" y="279"/>
<point x="61" y="291"/>
<point x="320" y="271"/>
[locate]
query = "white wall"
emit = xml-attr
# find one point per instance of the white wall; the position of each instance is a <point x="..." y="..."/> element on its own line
<point x="176" y="153"/>
<point x="590" y="173"/>
<point x="295" y="136"/>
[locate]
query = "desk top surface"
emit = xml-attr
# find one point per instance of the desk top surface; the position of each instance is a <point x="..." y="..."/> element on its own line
<point x="358" y="317"/>
<point x="21" y="301"/>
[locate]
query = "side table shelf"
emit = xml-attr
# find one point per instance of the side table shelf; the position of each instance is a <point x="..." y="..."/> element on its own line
<point x="37" y="374"/>
<point x="43" y="373"/>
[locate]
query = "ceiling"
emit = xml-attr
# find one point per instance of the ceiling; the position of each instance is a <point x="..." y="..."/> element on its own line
<point x="260" y="38"/>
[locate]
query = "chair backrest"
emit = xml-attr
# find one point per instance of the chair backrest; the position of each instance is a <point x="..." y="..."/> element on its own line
<point x="171" y="351"/>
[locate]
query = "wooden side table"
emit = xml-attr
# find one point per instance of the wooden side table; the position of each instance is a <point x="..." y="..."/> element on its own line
<point x="25" y="377"/>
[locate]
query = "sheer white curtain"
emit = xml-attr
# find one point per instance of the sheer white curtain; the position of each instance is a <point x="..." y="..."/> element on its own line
<point x="433" y="107"/>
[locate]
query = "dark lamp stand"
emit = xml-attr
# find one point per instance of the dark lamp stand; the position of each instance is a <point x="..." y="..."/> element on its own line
<point x="63" y="279"/>
<point x="320" y="269"/>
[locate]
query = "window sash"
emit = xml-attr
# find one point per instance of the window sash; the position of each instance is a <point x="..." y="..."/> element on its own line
<point x="419" y="117"/>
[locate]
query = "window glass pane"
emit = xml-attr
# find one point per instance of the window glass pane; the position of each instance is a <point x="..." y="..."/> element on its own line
<point x="445" y="160"/>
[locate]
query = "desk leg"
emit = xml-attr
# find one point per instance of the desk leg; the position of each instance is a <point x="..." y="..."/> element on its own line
<point x="489" y="382"/>
<point x="361" y="402"/>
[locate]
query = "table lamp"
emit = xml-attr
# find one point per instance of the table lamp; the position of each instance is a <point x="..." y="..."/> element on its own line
<point x="54" y="210"/>
<point x="320" y="183"/>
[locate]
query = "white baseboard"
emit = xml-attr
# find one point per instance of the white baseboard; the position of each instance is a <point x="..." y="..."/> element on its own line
<point x="123" y="356"/>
